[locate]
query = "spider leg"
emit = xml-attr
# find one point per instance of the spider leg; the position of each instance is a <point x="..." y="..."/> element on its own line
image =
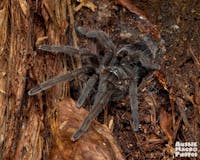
<point x="104" y="42"/>
<point x="106" y="59"/>
<point x="65" y="49"/>
<point x="103" y="99"/>
<point x="133" y="93"/>
<point x="134" y="104"/>
<point x="131" y="71"/>
<point x="86" y="90"/>
<point x="51" y="82"/>
<point x="100" y="36"/>
<point x="138" y="55"/>
<point x="151" y="45"/>
<point x="147" y="63"/>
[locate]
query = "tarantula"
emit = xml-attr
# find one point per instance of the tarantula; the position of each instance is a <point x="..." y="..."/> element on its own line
<point x="114" y="72"/>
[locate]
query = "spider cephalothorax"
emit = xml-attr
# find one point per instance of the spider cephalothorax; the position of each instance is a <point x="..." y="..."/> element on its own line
<point x="114" y="73"/>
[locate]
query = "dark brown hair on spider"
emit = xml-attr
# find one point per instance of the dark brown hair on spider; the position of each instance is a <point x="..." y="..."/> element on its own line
<point x="117" y="73"/>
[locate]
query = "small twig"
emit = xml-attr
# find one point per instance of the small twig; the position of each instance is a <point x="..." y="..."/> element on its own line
<point x="106" y="115"/>
<point x="180" y="103"/>
<point x="128" y="4"/>
<point x="196" y="98"/>
<point x="189" y="98"/>
<point x="111" y="124"/>
<point x="2" y="91"/>
<point x="172" y="101"/>
<point x="195" y="59"/>
<point x="166" y="125"/>
<point x="176" y="128"/>
<point x="153" y="107"/>
<point x="85" y="3"/>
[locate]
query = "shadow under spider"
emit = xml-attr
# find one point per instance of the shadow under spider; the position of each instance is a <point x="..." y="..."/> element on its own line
<point x="116" y="72"/>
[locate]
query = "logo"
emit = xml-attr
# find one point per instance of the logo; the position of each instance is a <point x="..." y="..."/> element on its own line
<point x="186" y="149"/>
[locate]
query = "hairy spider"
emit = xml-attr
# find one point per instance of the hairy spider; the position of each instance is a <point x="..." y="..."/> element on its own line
<point x="114" y="72"/>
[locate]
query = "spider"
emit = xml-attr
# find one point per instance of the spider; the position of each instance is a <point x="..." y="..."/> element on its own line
<point x="114" y="72"/>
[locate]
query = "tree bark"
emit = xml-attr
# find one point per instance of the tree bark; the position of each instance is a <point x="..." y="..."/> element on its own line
<point x="25" y="127"/>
